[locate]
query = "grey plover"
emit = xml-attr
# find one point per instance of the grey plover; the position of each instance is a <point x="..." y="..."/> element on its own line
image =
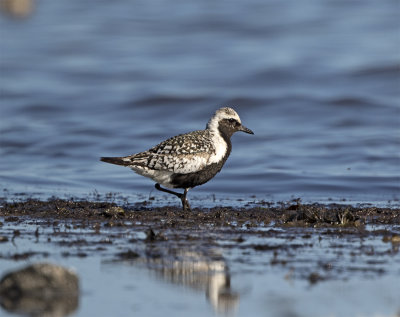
<point x="187" y="160"/>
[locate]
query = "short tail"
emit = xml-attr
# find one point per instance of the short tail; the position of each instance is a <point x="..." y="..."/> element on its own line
<point x="114" y="160"/>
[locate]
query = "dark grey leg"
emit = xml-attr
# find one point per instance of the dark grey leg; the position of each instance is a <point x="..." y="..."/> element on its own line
<point x="182" y="197"/>
<point x="185" y="202"/>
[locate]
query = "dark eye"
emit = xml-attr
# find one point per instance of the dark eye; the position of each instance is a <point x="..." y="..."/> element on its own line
<point x="231" y="120"/>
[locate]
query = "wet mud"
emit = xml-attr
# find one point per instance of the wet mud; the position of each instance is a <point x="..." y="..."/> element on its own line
<point x="198" y="249"/>
<point x="292" y="213"/>
<point x="259" y="229"/>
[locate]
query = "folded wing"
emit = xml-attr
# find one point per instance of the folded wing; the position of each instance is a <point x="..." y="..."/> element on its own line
<point x="183" y="154"/>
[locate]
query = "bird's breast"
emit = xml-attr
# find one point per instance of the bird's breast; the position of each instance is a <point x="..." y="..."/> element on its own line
<point x="221" y="149"/>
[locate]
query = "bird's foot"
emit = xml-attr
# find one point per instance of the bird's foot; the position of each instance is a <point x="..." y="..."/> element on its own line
<point x="185" y="204"/>
<point x="182" y="197"/>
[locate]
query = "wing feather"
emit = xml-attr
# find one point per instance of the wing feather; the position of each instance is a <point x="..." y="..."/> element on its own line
<point x="183" y="154"/>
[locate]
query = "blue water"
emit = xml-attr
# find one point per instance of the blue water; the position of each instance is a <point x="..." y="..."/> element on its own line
<point x="317" y="81"/>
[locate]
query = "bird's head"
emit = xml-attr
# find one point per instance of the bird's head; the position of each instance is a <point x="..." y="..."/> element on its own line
<point x="227" y="121"/>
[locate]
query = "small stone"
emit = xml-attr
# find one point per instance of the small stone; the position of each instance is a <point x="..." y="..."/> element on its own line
<point x="395" y="239"/>
<point x="128" y="255"/>
<point x="315" y="277"/>
<point x="40" y="289"/>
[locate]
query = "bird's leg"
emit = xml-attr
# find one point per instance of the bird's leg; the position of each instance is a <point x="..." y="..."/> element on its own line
<point x="182" y="197"/>
<point x="158" y="186"/>
<point x="185" y="202"/>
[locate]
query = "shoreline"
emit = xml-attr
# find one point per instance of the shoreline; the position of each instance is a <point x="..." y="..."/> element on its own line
<point x="290" y="243"/>
<point x="293" y="213"/>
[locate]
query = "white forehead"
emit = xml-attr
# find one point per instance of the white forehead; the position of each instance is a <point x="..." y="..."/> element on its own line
<point x="220" y="114"/>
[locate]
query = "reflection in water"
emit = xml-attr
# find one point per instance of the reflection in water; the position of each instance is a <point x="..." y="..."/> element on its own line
<point x="199" y="271"/>
<point x="17" y="8"/>
<point x="31" y="305"/>
<point x="220" y="295"/>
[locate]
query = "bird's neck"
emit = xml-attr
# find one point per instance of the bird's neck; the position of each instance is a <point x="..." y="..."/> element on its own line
<point x="226" y="136"/>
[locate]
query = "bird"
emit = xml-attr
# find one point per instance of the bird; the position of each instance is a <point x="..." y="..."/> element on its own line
<point x="187" y="160"/>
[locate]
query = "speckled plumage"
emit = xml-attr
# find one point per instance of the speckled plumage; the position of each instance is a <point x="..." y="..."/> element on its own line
<point x="187" y="160"/>
<point x="184" y="153"/>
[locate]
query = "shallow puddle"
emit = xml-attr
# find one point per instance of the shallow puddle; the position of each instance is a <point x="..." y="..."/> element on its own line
<point x="157" y="263"/>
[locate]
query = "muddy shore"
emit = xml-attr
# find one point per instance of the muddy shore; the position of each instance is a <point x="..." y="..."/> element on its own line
<point x="204" y="248"/>
<point x="284" y="214"/>
<point x="200" y="229"/>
